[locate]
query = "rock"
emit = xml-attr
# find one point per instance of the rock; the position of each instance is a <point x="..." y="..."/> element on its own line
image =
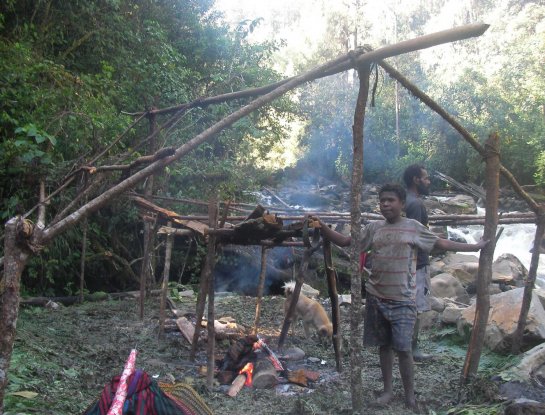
<point x="531" y="365"/>
<point x="437" y="304"/>
<point x="540" y="292"/>
<point x="459" y="204"/>
<point x="525" y="407"/>
<point x="508" y="269"/>
<point x="458" y="271"/>
<point x="452" y="258"/>
<point x="447" y="286"/>
<point x="293" y="353"/>
<point x="428" y="319"/>
<point x="345" y="299"/>
<point x="503" y="318"/>
<point x="451" y="314"/>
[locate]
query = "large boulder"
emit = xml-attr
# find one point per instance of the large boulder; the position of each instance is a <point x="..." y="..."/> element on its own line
<point x="459" y="205"/>
<point x="503" y="318"/>
<point x="447" y="286"/>
<point x="507" y="269"/>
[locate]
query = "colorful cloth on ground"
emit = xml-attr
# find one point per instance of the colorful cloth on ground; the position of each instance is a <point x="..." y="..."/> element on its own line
<point x="121" y="392"/>
<point x="145" y="397"/>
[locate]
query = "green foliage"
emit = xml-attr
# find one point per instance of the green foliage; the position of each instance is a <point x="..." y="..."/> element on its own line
<point x="67" y="72"/>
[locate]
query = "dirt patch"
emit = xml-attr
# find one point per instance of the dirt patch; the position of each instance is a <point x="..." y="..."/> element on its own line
<point x="66" y="356"/>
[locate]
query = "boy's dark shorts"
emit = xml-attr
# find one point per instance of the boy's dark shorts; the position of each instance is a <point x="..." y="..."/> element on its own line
<point x="389" y="322"/>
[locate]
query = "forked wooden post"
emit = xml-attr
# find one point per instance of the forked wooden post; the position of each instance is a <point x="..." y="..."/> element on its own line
<point x="486" y="257"/>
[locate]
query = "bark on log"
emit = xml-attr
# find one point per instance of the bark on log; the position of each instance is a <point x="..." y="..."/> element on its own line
<point x="265" y="375"/>
<point x="486" y="257"/>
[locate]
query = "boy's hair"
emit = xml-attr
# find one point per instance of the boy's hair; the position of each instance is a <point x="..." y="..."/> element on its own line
<point x="414" y="170"/>
<point x="394" y="188"/>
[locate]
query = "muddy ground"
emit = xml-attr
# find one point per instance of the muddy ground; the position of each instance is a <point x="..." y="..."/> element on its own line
<point x="66" y="356"/>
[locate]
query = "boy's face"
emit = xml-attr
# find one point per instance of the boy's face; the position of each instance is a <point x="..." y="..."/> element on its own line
<point x="390" y="206"/>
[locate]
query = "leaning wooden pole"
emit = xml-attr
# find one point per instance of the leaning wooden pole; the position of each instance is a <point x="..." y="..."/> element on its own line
<point x="288" y="318"/>
<point x="529" y="285"/>
<point x="356" y="314"/>
<point x="331" y="275"/>
<point x="484" y="275"/>
<point x="199" y="309"/>
<point x="260" y="287"/>
<point x="210" y="263"/>
<point x="426" y="99"/>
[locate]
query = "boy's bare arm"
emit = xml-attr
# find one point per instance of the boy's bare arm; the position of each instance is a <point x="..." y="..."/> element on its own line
<point x="337" y="238"/>
<point x="448" y="245"/>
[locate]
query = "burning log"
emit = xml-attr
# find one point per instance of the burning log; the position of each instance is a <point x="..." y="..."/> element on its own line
<point x="264" y="375"/>
<point x="237" y="385"/>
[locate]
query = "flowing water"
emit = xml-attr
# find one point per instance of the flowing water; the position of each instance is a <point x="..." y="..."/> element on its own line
<point x="516" y="239"/>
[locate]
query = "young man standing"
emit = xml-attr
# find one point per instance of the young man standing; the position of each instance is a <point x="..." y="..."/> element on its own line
<point x="417" y="182"/>
<point x="390" y="308"/>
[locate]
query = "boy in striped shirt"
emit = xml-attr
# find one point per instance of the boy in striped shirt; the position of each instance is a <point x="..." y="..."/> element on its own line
<point x="390" y="307"/>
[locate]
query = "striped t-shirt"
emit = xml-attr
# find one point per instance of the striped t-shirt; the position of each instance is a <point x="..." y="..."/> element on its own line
<point x="393" y="256"/>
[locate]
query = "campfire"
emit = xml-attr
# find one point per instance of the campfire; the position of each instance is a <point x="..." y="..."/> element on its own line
<point x="251" y="362"/>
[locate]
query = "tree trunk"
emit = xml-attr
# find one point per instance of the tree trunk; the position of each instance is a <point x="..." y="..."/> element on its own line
<point x="15" y="260"/>
<point x="356" y="323"/>
<point x="485" y="259"/>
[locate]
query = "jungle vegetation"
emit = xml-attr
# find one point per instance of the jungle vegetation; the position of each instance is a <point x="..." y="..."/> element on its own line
<point x="73" y="74"/>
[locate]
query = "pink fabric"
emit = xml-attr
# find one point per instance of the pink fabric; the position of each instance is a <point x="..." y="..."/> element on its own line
<point x="121" y="393"/>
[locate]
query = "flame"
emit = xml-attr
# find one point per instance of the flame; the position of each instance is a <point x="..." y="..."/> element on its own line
<point x="248" y="370"/>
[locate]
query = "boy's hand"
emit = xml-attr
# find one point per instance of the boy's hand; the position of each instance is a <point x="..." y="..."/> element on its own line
<point x="481" y="244"/>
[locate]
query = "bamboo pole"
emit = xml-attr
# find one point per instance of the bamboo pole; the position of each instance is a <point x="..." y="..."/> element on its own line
<point x="486" y="257"/>
<point x="164" y="284"/>
<point x="260" y="287"/>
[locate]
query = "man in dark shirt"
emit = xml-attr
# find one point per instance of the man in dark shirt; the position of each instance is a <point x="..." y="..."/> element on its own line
<point x="417" y="181"/>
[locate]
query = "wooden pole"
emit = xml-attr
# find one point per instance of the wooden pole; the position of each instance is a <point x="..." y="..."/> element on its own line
<point x="334" y="297"/>
<point x="295" y="296"/>
<point x="82" y="260"/>
<point x="356" y="314"/>
<point x="260" y="287"/>
<point x="164" y="284"/>
<point x="210" y="261"/>
<point x="486" y="257"/>
<point x="199" y="310"/>
<point x="529" y="284"/>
